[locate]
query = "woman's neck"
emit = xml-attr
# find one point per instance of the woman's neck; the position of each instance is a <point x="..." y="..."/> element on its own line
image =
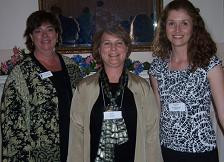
<point x="113" y="74"/>
<point x="179" y="59"/>
<point x="50" y="61"/>
<point x="45" y="55"/>
<point x="179" y="53"/>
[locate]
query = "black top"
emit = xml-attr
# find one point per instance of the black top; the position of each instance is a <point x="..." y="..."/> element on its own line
<point x="123" y="152"/>
<point x="61" y="82"/>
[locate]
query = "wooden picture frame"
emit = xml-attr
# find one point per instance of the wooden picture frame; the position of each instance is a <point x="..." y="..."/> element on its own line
<point x="130" y="14"/>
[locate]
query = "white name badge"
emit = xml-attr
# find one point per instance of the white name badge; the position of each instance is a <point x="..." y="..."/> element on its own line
<point x="112" y="115"/>
<point x="46" y="74"/>
<point x="180" y="106"/>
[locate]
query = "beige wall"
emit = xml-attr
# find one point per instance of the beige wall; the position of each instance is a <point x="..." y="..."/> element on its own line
<point x="220" y="51"/>
<point x="13" y="15"/>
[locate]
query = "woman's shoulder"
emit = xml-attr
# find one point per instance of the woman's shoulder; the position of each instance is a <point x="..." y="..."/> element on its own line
<point x="24" y="65"/>
<point x="137" y="83"/>
<point x="214" y="60"/>
<point x="157" y="62"/>
<point x="68" y="60"/>
<point x="20" y="71"/>
<point x="71" y="66"/>
<point x="157" y="66"/>
<point x="136" y="78"/>
<point x="89" y="81"/>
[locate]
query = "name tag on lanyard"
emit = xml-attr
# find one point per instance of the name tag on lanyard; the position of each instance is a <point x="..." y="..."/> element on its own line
<point x="112" y="115"/>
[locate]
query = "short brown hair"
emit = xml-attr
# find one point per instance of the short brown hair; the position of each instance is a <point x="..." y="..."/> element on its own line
<point x="35" y="20"/>
<point x="114" y="30"/>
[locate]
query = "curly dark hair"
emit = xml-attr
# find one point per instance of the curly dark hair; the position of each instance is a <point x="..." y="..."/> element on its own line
<point x="35" y="20"/>
<point x="114" y="30"/>
<point x="201" y="47"/>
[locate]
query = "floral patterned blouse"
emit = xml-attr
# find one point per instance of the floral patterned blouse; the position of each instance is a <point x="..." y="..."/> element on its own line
<point x="189" y="129"/>
<point x="30" y="115"/>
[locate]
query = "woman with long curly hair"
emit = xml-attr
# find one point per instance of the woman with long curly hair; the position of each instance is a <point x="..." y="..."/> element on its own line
<point x="186" y="75"/>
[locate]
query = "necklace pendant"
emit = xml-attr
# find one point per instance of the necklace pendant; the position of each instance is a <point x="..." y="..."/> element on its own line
<point x="109" y="108"/>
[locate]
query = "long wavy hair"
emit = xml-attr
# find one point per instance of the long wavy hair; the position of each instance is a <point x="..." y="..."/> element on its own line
<point x="116" y="30"/>
<point x="35" y="20"/>
<point x="201" y="47"/>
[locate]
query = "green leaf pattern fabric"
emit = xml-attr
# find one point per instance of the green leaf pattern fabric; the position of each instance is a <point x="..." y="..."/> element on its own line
<point x="29" y="114"/>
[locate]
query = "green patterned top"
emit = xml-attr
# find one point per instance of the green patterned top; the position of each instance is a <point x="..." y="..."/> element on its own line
<point x="30" y="115"/>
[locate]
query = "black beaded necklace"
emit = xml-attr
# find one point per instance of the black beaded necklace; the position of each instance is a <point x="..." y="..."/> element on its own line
<point x="107" y="91"/>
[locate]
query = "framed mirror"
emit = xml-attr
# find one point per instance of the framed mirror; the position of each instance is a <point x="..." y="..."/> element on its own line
<point x="80" y="19"/>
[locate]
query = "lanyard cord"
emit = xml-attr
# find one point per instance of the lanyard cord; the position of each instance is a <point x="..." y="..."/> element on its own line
<point x="104" y="102"/>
